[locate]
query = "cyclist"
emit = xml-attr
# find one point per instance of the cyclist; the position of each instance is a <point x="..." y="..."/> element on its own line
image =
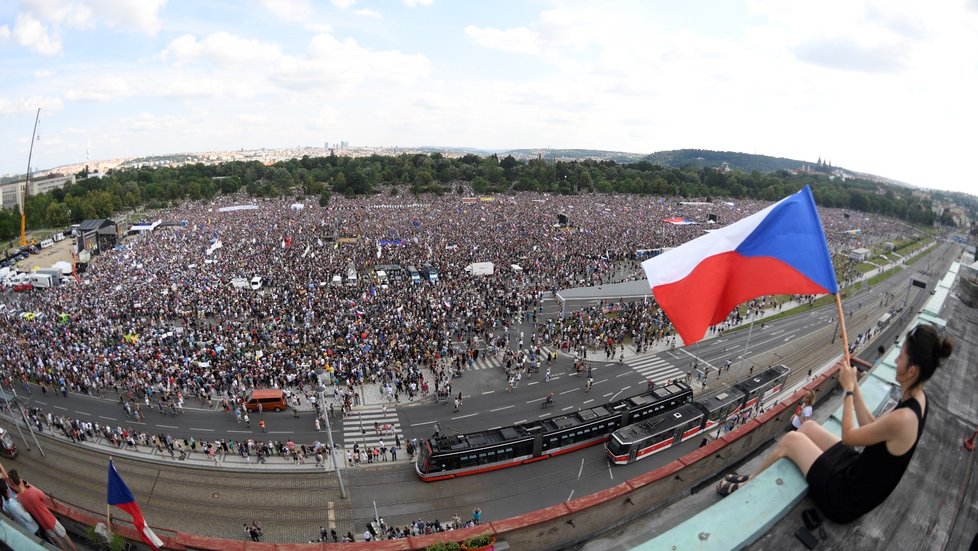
<point x="587" y="387"/>
<point x="550" y="400"/>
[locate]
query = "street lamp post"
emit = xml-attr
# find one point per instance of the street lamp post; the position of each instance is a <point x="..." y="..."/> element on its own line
<point x="321" y="389"/>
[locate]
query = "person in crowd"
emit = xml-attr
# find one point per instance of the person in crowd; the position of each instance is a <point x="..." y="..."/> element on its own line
<point x="804" y="410"/>
<point x="35" y="502"/>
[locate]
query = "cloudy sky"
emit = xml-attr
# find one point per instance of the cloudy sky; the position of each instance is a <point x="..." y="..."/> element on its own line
<point x="886" y="87"/>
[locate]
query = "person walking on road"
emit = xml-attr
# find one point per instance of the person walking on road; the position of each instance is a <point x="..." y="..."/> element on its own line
<point x="261" y="424"/>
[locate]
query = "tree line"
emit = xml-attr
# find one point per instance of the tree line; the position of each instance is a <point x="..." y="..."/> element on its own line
<point x="128" y="189"/>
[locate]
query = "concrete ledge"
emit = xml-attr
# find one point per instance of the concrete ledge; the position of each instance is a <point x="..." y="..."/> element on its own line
<point x="742" y="517"/>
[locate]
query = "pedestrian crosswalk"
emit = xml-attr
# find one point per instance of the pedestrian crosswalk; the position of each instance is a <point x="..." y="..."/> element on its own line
<point x="654" y="367"/>
<point x="487" y="361"/>
<point x="359" y="427"/>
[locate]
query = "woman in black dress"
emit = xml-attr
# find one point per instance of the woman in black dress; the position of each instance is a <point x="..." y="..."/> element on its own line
<point x="845" y="483"/>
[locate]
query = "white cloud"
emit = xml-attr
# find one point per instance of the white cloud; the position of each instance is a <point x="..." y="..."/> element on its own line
<point x="101" y="88"/>
<point x="289" y="10"/>
<point x="341" y="65"/>
<point x="43" y="73"/>
<point x="138" y="15"/>
<point x="149" y="121"/>
<point x="28" y="105"/>
<point x="519" y="40"/>
<point x="373" y="14"/>
<point x="249" y="118"/>
<point x="4" y="33"/>
<point x="222" y="49"/>
<point x="343" y="4"/>
<point x="415" y="3"/>
<point x="30" y="33"/>
<point x="60" y="12"/>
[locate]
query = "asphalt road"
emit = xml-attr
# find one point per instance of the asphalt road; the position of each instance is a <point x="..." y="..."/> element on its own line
<point x="802" y="342"/>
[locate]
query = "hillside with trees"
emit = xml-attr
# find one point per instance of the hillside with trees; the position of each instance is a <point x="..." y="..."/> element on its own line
<point x="321" y="177"/>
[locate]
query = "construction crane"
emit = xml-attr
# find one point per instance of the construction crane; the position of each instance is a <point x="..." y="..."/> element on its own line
<point x="27" y="184"/>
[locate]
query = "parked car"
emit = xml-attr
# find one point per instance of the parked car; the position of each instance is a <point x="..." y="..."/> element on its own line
<point x="21" y="287"/>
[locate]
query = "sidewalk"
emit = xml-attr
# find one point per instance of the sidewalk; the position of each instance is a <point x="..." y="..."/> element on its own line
<point x="199" y="459"/>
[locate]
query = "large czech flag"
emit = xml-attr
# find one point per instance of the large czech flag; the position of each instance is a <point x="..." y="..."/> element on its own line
<point x="779" y="250"/>
<point x="121" y="497"/>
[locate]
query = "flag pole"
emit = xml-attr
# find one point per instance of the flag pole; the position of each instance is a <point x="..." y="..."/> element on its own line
<point x="108" y="507"/>
<point x="842" y="325"/>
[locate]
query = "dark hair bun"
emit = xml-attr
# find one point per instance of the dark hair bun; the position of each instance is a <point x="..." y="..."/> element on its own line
<point x="943" y="347"/>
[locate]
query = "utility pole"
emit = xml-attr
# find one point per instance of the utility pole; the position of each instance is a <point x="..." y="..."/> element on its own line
<point x="320" y="390"/>
<point x="27" y="184"/>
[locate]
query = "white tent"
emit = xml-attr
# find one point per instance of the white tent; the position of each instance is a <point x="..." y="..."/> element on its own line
<point x="65" y="267"/>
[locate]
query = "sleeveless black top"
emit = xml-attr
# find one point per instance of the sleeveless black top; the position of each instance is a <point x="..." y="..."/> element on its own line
<point x="846" y="484"/>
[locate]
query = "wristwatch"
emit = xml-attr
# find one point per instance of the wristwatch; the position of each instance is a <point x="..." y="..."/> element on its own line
<point x="848" y="394"/>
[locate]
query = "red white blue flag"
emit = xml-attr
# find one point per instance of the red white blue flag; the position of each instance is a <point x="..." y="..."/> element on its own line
<point x="779" y="250"/>
<point x="121" y="497"/>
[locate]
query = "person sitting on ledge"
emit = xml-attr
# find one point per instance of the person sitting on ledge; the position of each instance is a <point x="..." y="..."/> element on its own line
<point x="844" y="483"/>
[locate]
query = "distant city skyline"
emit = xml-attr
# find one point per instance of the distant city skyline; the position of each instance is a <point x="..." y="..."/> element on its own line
<point x="874" y="86"/>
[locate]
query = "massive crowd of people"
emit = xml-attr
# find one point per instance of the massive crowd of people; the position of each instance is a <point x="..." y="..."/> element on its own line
<point x="158" y="317"/>
<point x="157" y="320"/>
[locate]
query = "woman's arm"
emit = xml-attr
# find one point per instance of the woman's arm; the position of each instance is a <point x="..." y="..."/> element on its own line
<point x="863" y="416"/>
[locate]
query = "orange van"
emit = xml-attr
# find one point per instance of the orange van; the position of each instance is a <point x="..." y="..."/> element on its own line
<point x="271" y="399"/>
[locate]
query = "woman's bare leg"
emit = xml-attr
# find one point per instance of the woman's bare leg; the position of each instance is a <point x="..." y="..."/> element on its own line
<point x="819" y="435"/>
<point x="797" y="447"/>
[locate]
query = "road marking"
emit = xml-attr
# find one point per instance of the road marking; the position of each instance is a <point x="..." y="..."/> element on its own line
<point x="531" y="383"/>
<point x="502" y="408"/>
<point x="520" y="422"/>
<point x="109" y="418"/>
<point x="269" y="432"/>
<point x="568" y="391"/>
<point x="623" y="374"/>
<point x="778" y="332"/>
<point x="423" y="424"/>
<point x="579" y="471"/>
<point x="616" y="394"/>
<point x="83" y="413"/>
<point x="464" y="416"/>
<point x="40" y="402"/>
<point x="698" y="359"/>
<point x="601" y="381"/>
<point x="626" y="388"/>
<point x="572" y="493"/>
<point x="240" y="431"/>
<point x="212" y="430"/>
<point x="61" y="408"/>
<point x="611" y="474"/>
<point x="587" y="401"/>
<point x="488" y="392"/>
<point x="168" y="426"/>
<point x="568" y="407"/>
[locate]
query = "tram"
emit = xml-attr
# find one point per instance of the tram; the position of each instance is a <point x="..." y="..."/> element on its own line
<point x="640" y="440"/>
<point x="452" y="456"/>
